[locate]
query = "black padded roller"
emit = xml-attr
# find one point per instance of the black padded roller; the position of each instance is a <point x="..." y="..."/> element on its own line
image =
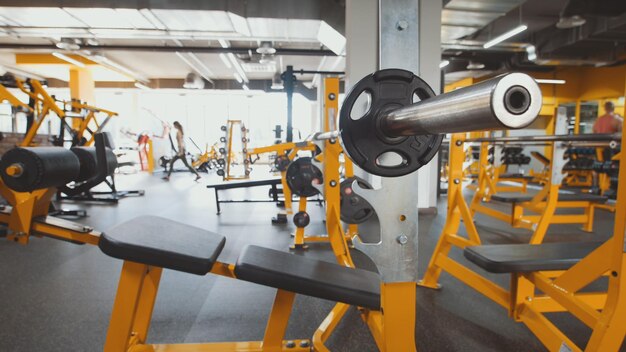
<point x="40" y="167"/>
<point x="89" y="162"/>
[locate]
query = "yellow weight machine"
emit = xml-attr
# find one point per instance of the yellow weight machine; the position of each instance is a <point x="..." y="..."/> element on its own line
<point x="91" y="120"/>
<point x="545" y="278"/>
<point x="545" y="203"/>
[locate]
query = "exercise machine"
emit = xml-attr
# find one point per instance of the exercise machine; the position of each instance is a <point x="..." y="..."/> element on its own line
<point x="386" y="300"/>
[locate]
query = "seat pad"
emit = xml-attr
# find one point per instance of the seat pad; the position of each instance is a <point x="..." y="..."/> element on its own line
<point x="510" y="258"/>
<point x="164" y="243"/>
<point x="309" y="276"/>
<point x="563" y="197"/>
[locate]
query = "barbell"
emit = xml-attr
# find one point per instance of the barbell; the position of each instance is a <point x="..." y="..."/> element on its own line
<point x="404" y="121"/>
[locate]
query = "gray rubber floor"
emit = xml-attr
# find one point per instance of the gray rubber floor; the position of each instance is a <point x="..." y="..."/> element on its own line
<point x="57" y="296"/>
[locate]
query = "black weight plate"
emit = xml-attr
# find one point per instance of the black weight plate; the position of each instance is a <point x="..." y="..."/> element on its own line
<point x="354" y="209"/>
<point x="220" y="172"/>
<point x="301" y="173"/>
<point x="281" y="162"/>
<point x="223" y="139"/>
<point x="301" y="219"/>
<point x="363" y="139"/>
<point x="223" y="128"/>
<point x="222" y="150"/>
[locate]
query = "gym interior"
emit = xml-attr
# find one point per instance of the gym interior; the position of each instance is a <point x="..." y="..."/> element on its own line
<point x="312" y="175"/>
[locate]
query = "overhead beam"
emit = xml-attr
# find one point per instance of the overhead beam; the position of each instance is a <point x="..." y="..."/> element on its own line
<point x="172" y="49"/>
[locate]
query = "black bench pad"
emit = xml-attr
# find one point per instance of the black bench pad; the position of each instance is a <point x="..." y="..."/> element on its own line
<point x="518" y="176"/>
<point x="512" y="258"/>
<point x="245" y="184"/>
<point x="164" y="243"/>
<point x="309" y="276"/>
<point x="563" y="197"/>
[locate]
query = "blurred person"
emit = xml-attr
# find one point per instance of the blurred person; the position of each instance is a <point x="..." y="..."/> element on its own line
<point x="181" y="154"/>
<point x="610" y="122"/>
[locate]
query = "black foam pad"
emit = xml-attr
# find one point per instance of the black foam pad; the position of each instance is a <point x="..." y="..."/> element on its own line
<point x="309" y="277"/>
<point x="89" y="162"/>
<point x="563" y="197"/>
<point x="511" y="258"/>
<point x="42" y="167"/>
<point x="165" y="243"/>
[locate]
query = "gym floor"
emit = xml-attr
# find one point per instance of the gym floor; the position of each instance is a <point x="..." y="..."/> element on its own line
<point x="57" y="296"/>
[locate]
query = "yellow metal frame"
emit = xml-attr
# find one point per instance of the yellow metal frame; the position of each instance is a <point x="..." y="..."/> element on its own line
<point x="232" y="156"/>
<point x="604" y="312"/>
<point x="46" y="104"/>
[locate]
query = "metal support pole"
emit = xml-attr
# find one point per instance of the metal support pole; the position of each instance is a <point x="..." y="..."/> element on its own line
<point x="289" y="83"/>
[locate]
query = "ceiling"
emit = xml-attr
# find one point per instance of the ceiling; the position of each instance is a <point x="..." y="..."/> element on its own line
<point x="151" y="40"/>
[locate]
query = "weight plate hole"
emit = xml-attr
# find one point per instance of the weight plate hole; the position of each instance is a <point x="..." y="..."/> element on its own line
<point x="419" y="95"/>
<point x="361" y="106"/>
<point x="390" y="159"/>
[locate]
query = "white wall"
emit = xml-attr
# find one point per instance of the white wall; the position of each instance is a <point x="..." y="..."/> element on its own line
<point x="200" y="112"/>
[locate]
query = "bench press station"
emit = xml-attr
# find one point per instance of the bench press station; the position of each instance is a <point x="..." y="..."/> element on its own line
<point x="545" y="203"/>
<point x="386" y="300"/>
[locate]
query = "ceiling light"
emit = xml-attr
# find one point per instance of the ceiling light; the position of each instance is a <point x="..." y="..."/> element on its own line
<point x="68" y="59"/>
<point x="237" y="66"/>
<point x="193" y="81"/>
<point x="238" y="77"/>
<point x="67" y="44"/>
<point x="474" y="65"/>
<point x="225" y="60"/>
<point x="550" y="81"/>
<point x="502" y="37"/>
<point x="531" y="52"/>
<point x="570" y="22"/>
<point x="266" y="49"/>
<point x="444" y="63"/>
<point x="223" y="43"/>
<point x="142" y="86"/>
<point x="331" y="38"/>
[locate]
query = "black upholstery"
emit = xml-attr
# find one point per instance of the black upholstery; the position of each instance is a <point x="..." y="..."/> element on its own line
<point x="164" y="243"/>
<point x="256" y="183"/>
<point x="518" y="176"/>
<point x="511" y="258"/>
<point x="563" y="197"/>
<point x="42" y="167"/>
<point x="309" y="277"/>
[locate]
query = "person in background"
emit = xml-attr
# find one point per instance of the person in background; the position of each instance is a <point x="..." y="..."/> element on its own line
<point x="610" y="122"/>
<point x="180" y="139"/>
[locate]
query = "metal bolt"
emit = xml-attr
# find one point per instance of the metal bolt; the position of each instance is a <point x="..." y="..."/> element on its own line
<point x="402" y="25"/>
<point x="331" y="96"/>
<point x="456" y="181"/>
<point x="458" y="143"/>
<point x="614" y="273"/>
<point x="529" y="299"/>
<point x="402" y="239"/>
<point x="332" y="141"/>
<point x="87" y="229"/>
<point x="304" y="343"/>
<point x="290" y="344"/>
<point x="333" y="183"/>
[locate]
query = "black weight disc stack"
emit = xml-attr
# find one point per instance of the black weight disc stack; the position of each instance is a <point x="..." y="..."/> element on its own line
<point x="354" y="209"/>
<point x="301" y="173"/>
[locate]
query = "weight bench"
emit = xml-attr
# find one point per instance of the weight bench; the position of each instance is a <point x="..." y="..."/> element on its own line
<point x="232" y="185"/>
<point x="516" y="258"/>
<point x="148" y="244"/>
<point x="563" y="197"/>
